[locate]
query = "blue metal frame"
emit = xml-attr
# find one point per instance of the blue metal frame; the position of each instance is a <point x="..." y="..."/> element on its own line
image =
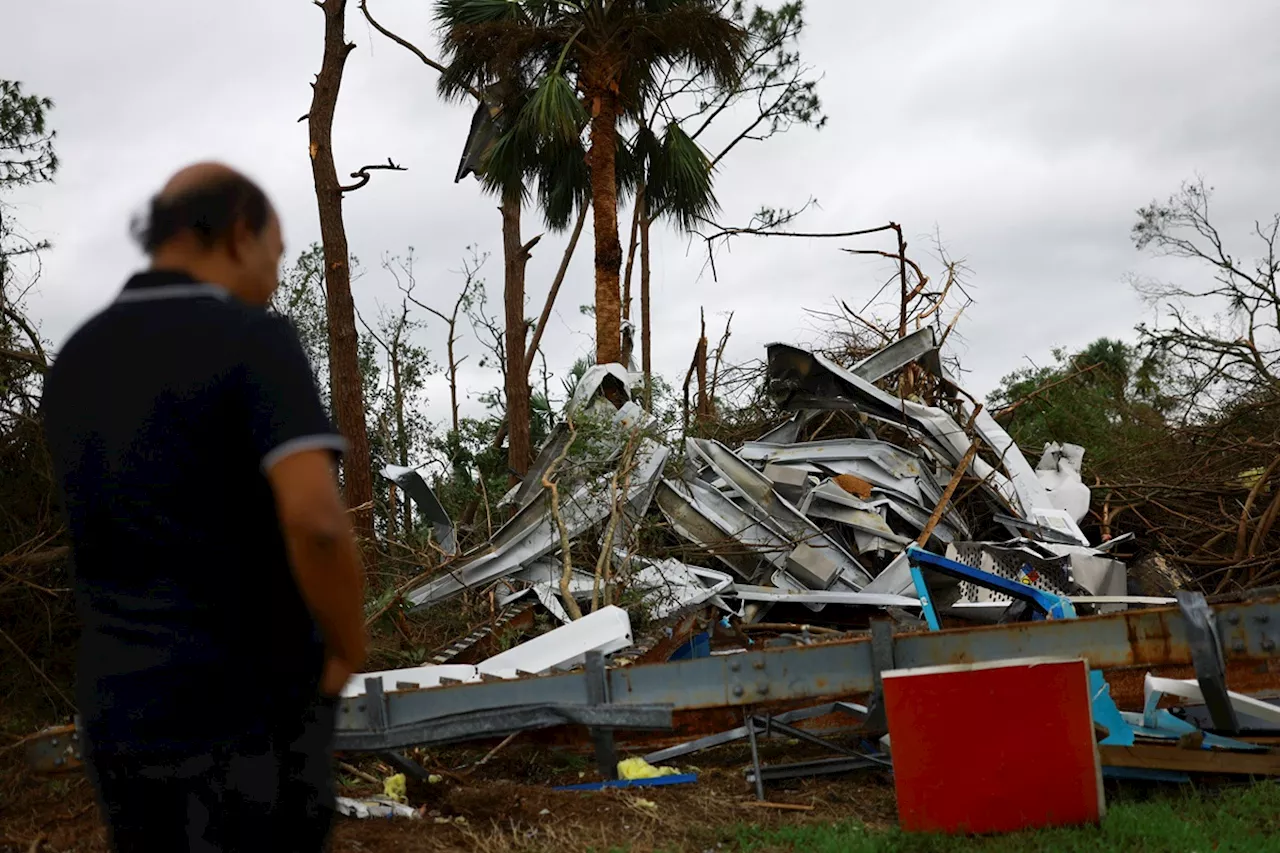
<point x="1046" y="604"/>
<point x="1121" y="732"/>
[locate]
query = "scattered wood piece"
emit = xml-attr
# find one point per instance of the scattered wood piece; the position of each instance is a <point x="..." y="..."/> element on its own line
<point x="786" y="807"/>
<point x="358" y="773"/>
<point x="35" y="845"/>
<point x="1191" y="760"/>
<point x="497" y="749"/>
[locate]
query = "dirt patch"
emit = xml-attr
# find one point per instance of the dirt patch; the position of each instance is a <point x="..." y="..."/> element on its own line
<point x="505" y="805"/>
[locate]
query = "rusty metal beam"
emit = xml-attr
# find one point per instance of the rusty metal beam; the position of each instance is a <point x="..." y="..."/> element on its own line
<point x="1147" y="638"/>
<point x="705" y="694"/>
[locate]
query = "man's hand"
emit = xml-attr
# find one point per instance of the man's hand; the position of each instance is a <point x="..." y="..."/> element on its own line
<point x="336" y="673"/>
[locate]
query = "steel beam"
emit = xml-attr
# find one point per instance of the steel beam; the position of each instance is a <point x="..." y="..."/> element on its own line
<point x="1142" y="638"/>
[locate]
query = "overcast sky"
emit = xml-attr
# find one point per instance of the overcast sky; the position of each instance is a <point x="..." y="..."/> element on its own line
<point x="1024" y="133"/>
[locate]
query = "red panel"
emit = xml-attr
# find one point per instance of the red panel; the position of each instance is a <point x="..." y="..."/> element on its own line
<point x="994" y="747"/>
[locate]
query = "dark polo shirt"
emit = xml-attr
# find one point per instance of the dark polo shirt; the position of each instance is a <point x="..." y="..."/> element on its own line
<point x="162" y="414"/>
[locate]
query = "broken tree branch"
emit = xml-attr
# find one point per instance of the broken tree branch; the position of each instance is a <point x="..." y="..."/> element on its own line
<point x="364" y="7"/>
<point x="724" y="342"/>
<point x="541" y="327"/>
<point x="953" y="484"/>
<point x="364" y="177"/>
<point x="36" y="558"/>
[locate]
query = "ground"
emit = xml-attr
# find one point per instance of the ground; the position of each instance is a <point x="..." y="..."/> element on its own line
<point x="508" y="804"/>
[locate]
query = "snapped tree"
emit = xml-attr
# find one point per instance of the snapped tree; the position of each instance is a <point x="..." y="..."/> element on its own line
<point x="344" y="355"/>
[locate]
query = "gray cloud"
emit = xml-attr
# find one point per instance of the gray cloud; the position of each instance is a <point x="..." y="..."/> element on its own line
<point x="1024" y="133"/>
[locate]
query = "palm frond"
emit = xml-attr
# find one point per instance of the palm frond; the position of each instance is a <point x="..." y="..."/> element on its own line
<point x="452" y="13"/>
<point x="696" y="34"/>
<point x="553" y="111"/>
<point x="646" y="145"/>
<point x="504" y="167"/>
<point x="564" y="182"/>
<point x="628" y="168"/>
<point x="680" y="180"/>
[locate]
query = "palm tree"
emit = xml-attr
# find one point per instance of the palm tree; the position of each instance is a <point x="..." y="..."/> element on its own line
<point x="507" y="161"/>
<point x="588" y="62"/>
<point x="675" y="182"/>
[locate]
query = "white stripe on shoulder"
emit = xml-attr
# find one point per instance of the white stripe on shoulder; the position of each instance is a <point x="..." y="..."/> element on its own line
<point x="327" y="441"/>
<point x="173" y="291"/>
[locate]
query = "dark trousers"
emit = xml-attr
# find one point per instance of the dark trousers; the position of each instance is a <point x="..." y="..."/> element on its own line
<point x="271" y="793"/>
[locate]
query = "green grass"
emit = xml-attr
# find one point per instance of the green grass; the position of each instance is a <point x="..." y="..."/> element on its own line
<point x="1244" y="818"/>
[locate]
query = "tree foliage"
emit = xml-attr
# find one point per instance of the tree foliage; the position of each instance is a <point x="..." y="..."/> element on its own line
<point x="1107" y="397"/>
<point x="34" y="614"/>
<point x="1221" y="326"/>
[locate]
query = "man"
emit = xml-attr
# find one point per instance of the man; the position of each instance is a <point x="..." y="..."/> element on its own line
<point x="216" y="572"/>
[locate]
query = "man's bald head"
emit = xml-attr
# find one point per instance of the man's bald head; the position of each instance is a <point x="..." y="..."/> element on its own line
<point x="205" y="200"/>
<point x="213" y="222"/>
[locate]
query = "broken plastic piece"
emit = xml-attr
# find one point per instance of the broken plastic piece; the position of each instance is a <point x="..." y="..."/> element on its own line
<point x="377" y="807"/>
<point x="638" y="768"/>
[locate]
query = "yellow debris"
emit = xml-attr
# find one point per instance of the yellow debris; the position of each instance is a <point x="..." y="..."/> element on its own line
<point x="638" y="768"/>
<point x="396" y="788"/>
<point x="435" y="779"/>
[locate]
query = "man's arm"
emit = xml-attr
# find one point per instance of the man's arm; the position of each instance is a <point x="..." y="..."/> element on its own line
<point x="324" y="556"/>
<point x="298" y="447"/>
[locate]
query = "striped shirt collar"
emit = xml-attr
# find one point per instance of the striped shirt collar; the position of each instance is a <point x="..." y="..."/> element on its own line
<point x="167" y="284"/>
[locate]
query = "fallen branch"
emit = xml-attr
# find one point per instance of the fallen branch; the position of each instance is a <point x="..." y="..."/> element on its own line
<point x="36" y="558"/>
<point x="619" y="483"/>
<point x="358" y="773"/>
<point x="545" y="316"/>
<point x="38" y="670"/>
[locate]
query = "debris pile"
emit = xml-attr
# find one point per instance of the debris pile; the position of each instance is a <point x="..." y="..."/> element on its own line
<point x="792" y="518"/>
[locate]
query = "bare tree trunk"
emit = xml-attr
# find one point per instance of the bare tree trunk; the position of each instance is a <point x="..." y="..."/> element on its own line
<point x="453" y="380"/>
<point x="902" y="274"/>
<point x="604" y="205"/>
<point x="515" y="256"/>
<point x="402" y="437"/>
<point x="344" y="363"/>
<point x="700" y="362"/>
<point x="626" y="279"/>
<point x="646" y="347"/>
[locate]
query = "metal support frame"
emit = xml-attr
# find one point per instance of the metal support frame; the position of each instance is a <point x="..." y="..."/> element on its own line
<point x="755" y="753"/>
<point x="598" y="694"/>
<point x="1206" y="656"/>
<point x="722" y="738"/>
<point x="819" y="767"/>
<point x="1047" y="605"/>
<point x="644" y="697"/>
<point x="881" y="662"/>
<point x="848" y="760"/>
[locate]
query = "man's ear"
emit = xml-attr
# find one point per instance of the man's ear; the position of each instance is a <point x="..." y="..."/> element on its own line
<point x="240" y="241"/>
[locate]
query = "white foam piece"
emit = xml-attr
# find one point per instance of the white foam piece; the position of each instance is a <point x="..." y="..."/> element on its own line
<point x="608" y="630"/>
